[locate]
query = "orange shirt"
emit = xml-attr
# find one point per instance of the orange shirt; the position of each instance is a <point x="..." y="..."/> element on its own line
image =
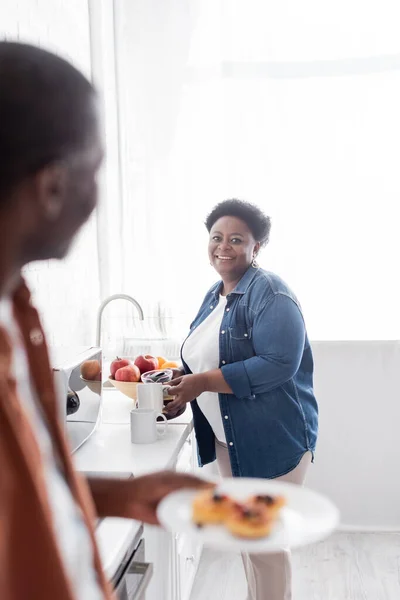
<point x="31" y="566"/>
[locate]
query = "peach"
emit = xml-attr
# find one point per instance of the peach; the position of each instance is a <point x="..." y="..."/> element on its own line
<point x="146" y="363"/>
<point x="91" y="370"/>
<point x="130" y="373"/>
<point x="118" y="363"/>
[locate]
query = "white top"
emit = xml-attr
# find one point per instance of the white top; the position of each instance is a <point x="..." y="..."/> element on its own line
<point x="201" y="353"/>
<point x="72" y="535"/>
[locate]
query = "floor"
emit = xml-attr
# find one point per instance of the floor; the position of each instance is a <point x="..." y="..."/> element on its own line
<point x="347" y="566"/>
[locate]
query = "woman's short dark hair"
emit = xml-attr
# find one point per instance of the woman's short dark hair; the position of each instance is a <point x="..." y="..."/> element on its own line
<point x="258" y="223"/>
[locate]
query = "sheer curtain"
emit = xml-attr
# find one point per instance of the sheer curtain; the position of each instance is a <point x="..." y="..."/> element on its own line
<point x="290" y="105"/>
<point x="294" y="106"/>
<point x="66" y="292"/>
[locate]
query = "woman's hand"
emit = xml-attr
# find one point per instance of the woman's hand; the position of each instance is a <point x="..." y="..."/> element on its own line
<point x="188" y="387"/>
<point x="177" y="373"/>
<point x="184" y="389"/>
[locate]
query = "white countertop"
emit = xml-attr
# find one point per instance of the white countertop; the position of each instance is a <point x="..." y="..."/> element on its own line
<point x="110" y="450"/>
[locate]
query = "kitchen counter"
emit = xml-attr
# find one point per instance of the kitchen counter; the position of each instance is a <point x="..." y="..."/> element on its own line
<point x="110" y="450"/>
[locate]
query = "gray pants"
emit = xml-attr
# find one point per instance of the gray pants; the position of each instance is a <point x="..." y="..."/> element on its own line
<point x="269" y="576"/>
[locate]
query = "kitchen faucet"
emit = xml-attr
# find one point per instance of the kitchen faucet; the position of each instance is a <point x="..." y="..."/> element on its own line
<point x="107" y="301"/>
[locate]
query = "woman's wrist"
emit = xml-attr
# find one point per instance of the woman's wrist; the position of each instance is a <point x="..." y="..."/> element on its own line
<point x="203" y="381"/>
<point x="213" y="381"/>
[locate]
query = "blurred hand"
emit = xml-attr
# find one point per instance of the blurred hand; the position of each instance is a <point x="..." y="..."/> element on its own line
<point x="148" y="491"/>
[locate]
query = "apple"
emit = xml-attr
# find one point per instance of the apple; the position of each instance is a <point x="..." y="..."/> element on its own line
<point x="118" y="363"/>
<point x="91" y="370"/>
<point x="146" y="363"/>
<point x="129" y="373"/>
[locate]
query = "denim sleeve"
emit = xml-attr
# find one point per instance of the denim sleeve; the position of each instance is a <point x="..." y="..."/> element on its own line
<point x="278" y="336"/>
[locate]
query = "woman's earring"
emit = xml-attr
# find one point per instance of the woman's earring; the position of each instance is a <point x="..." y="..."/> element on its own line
<point x="254" y="263"/>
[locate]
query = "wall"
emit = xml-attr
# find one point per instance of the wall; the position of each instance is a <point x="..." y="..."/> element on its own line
<point x="357" y="460"/>
<point x="66" y="292"/>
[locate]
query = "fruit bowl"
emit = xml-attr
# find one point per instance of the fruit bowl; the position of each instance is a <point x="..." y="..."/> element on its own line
<point x="94" y="386"/>
<point x="129" y="388"/>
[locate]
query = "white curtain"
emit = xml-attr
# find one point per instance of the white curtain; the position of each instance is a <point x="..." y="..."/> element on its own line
<point x="66" y="292"/>
<point x="294" y="106"/>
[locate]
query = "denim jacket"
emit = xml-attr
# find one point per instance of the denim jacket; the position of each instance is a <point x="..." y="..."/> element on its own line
<point x="271" y="419"/>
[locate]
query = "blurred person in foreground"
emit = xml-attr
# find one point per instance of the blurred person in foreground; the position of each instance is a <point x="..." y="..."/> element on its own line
<point x="50" y="153"/>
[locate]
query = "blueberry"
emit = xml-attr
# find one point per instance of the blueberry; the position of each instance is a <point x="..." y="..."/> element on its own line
<point x="218" y="497"/>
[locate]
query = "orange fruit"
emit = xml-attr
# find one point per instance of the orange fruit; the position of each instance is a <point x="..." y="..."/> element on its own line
<point x="161" y="361"/>
<point x="170" y="364"/>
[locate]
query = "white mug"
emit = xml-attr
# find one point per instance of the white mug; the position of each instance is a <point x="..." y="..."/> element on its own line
<point x="144" y="426"/>
<point x="150" y="395"/>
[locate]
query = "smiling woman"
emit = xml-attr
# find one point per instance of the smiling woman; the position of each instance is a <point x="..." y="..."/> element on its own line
<point x="237" y="231"/>
<point x="249" y="373"/>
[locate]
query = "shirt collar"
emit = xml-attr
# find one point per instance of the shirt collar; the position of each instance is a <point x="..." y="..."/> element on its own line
<point x="241" y="288"/>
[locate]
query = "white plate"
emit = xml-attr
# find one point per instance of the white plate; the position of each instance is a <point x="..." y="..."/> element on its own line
<point x="307" y="517"/>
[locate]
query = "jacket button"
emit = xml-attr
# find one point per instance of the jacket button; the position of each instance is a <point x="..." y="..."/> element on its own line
<point x="245" y="335"/>
<point x="231" y="443"/>
<point x="211" y="307"/>
<point x="223" y="331"/>
<point x="228" y="309"/>
<point x="226" y="417"/>
<point x="223" y="362"/>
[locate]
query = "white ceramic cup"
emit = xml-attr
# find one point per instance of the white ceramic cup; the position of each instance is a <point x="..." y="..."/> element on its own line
<point x="144" y="425"/>
<point x="150" y="395"/>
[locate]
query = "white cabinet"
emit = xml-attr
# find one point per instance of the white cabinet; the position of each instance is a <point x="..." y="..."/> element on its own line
<point x="185" y="462"/>
<point x="187" y="560"/>
<point x="175" y="558"/>
<point x="186" y="552"/>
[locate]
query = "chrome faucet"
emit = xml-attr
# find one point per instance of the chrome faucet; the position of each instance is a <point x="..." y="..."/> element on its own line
<point x="107" y="301"/>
